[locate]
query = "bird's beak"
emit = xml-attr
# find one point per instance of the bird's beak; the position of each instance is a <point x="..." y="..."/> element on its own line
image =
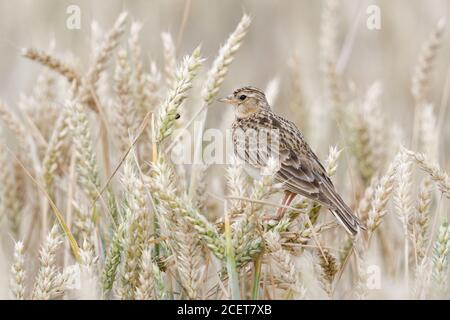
<point x="228" y="99"/>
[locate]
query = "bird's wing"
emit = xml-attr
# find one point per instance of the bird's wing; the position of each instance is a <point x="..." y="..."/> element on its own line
<point x="302" y="173"/>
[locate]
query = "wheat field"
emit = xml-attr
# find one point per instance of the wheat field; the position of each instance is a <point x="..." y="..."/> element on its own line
<point x="100" y="103"/>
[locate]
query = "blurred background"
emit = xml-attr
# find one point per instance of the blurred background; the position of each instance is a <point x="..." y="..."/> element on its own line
<point x="284" y="38"/>
<point x="280" y="30"/>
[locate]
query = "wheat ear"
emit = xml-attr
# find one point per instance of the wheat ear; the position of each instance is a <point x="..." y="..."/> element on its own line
<point x="137" y="228"/>
<point x="170" y="59"/>
<point x="440" y="257"/>
<point x="88" y="174"/>
<point x="225" y="57"/>
<point x="168" y="112"/>
<point x="52" y="63"/>
<point x="18" y="275"/>
<point x="422" y="73"/>
<point x="100" y="60"/>
<point x="50" y="282"/>
<point x="439" y="176"/>
<point x="146" y="287"/>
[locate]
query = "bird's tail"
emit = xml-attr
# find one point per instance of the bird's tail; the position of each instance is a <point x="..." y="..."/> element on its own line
<point x="344" y="215"/>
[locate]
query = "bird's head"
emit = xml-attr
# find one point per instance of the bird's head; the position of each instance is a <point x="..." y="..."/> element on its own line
<point x="247" y="101"/>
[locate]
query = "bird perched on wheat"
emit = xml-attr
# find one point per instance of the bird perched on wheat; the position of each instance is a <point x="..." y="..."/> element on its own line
<point x="299" y="170"/>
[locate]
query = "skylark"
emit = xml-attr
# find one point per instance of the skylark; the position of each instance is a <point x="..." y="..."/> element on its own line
<point x="299" y="171"/>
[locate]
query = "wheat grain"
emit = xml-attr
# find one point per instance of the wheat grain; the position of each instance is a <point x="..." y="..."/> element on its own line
<point x="88" y="174"/>
<point x="50" y="282"/>
<point x="177" y="94"/>
<point x="285" y="270"/>
<point x="328" y="51"/>
<point x="52" y="63"/>
<point x="440" y="257"/>
<point x="188" y="259"/>
<point x="439" y="176"/>
<point x="18" y="274"/>
<point x="246" y="238"/>
<point x="424" y="67"/>
<point x="382" y="193"/>
<point x="136" y="231"/>
<point x="297" y="99"/>
<point x="421" y="218"/>
<point x="429" y="140"/>
<point x="145" y="289"/>
<point x="161" y="186"/>
<point x="200" y="197"/>
<point x="148" y="232"/>
<point x="170" y="60"/>
<point x="56" y="150"/>
<point x="403" y="203"/>
<point x="125" y="113"/>
<point x="331" y="163"/>
<point x="113" y="259"/>
<point x="84" y="225"/>
<point x="100" y="59"/>
<point x="140" y="96"/>
<point x="368" y="137"/>
<point x="14" y="124"/>
<point x="89" y="280"/>
<point x="237" y="185"/>
<point x="225" y="57"/>
<point x="329" y="269"/>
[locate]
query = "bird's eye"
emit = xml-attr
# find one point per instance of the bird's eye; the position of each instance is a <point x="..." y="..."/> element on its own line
<point x="242" y="97"/>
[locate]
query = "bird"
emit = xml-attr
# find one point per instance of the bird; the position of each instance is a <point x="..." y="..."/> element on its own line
<point x="299" y="171"/>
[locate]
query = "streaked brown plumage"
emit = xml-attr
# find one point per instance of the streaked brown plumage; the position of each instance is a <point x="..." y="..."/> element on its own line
<point x="300" y="171"/>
